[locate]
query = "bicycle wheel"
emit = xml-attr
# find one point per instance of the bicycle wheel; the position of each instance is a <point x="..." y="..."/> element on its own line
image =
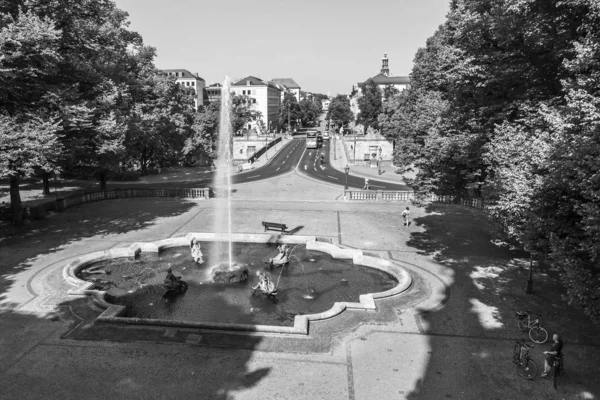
<point x="522" y="324"/>
<point x="527" y="369"/>
<point x="538" y="335"/>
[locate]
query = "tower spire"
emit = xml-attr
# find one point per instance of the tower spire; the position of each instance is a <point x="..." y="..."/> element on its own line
<point x="385" y="70"/>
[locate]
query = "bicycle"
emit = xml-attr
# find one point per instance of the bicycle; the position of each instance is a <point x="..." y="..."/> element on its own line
<point x="525" y="366"/>
<point x="537" y="334"/>
<point x="559" y="367"/>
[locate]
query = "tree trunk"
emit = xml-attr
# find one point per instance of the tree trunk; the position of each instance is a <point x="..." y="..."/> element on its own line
<point x="102" y="180"/>
<point x="15" y="201"/>
<point x="46" y="180"/>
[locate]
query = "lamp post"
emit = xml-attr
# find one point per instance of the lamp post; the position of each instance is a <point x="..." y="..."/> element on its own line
<point x="289" y="125"/>
<point x="379" y="162"/>
<point x="529" y="289"/>
<point x="346" y="170"/>
<point x="267" y="146"/>
<point x="334" y="146"/>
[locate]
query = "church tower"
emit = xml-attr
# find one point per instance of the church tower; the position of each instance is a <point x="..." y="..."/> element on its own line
<point x="385" y="70"/>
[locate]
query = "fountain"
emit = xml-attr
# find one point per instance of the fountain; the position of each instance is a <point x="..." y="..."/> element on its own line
<point x="127" y="282"/>
<point x="225" y="271"/>
<point x="222" y="178"/>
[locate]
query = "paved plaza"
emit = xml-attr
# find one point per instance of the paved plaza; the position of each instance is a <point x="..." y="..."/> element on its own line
<point x="450" y="336"/>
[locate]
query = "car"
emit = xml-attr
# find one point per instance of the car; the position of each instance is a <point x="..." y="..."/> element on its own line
<point x="326" y="135"/>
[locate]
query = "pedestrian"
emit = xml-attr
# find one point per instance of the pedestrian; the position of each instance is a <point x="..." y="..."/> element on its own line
<point x="405" y="214"/>
<point x="555" y="351"/>
<point x="366" y="187"/>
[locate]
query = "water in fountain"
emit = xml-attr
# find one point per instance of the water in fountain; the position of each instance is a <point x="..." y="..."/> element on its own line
<point x="222" y="178"/>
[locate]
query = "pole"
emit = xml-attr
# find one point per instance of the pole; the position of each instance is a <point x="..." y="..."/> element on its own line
<point x="529" y="289"/>
<point x="334" y="146"/>
<point x="289" y="125"/>
<point x="267" y="146"/>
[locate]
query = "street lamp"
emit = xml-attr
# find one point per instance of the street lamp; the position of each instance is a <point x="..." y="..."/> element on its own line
<point x="346" y="170"/>
<point x="529" y="289"/>
<point x="267" y="146"/>
<point x="334" y="146"/>
<point x="379" y="163"/>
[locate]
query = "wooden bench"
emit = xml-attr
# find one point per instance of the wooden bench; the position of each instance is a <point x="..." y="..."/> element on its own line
<point x="274" y="226"/>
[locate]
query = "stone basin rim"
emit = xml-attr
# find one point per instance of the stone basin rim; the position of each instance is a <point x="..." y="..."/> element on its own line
<point x="112" y="312"/>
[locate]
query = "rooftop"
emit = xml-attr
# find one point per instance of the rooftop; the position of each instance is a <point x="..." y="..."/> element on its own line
<point x="390" y="80"/>
<point x="253" y="81"/>
<point x="287" y="82"/>
<point x="182" y="73"/>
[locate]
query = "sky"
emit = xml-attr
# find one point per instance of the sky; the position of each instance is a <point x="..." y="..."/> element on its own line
<point x="326" y="46"/>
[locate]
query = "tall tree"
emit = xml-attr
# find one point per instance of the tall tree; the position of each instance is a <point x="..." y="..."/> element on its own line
<point x="370" y="105"/>
<point x="289" y="111"/>
<point x="339" y="110"/>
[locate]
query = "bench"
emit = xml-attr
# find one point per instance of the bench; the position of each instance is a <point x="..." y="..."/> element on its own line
<point x="274" y="226"/>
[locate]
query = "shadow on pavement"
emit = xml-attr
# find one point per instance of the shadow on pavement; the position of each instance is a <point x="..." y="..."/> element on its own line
<point x="36" y="363"/>
<point x="21" y="246"/>
<point x="471" y="336"/>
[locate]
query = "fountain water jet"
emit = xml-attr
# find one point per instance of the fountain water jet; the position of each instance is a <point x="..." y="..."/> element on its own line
<point x="222" y="178"/>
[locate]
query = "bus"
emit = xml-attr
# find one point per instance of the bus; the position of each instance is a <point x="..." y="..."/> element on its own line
<point x="311" y="139"/>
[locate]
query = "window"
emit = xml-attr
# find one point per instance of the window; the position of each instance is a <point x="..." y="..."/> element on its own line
<point x="254" y="101"/>
<point x="193" y="83"/>
<point x="243" y="92"/>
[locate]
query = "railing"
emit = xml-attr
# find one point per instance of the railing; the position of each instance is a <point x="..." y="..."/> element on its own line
<point x="263" y="150"/>
<point x="81" y="198"/>
<point x="378" y="195"/>
<point x="475" y="202"/>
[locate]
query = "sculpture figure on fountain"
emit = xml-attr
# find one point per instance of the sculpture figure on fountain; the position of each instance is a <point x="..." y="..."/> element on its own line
<point x="196" y="251"/>
<point x="265" y="284"/>
<point x="282" y="258"/>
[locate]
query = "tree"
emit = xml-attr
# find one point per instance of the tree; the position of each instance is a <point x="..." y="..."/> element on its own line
<point x="370" y="105"/>
<point x="289" y="111"/>
<point x="26" y="143"/>
<point x="205" y="130"/>
<point x="310" y="111"/>
<point x="29" y="54"/>
<point x="160" y="121"/>
<point x="339" y="110"/>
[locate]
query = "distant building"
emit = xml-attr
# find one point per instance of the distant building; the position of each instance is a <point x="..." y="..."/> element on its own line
<point x="186" y="78"/>
<point x="213" y="92"/>
<point x="383" y="79"/>
<point x="290" y="84"/>
<point x="325" y="104"/>
<point x="265" y="96"/>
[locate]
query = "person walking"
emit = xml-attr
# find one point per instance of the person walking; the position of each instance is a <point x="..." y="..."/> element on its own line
<point x="366" y="187"/>
<point x="555" y="351"/>
<point x="405" y="214"/>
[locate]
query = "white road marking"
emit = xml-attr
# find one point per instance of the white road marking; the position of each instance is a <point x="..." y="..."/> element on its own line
<point x="305" y="167"/>
<point x="332" y="177"/>
<point x="277" y="169"/>
<point x="254" y="176"/>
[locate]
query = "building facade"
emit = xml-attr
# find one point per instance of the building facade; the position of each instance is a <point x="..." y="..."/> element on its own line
<point x="213" y="92"/>
<point x="265" y="97"/>
<point x="290" y="84"/>
<point x="186" y="78"/>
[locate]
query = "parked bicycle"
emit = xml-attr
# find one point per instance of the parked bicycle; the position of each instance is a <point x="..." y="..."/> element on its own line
<point x="559" y="367"/>
<point x="525" y="366"/>
<point x="537" y="334"/>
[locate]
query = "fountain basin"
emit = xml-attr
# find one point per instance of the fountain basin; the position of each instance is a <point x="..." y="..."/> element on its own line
<point x="114" y="313"/>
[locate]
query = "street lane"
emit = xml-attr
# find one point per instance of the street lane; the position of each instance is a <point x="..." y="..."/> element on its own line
<point x="311" y="165"/>
<point x="284" y="161"/>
